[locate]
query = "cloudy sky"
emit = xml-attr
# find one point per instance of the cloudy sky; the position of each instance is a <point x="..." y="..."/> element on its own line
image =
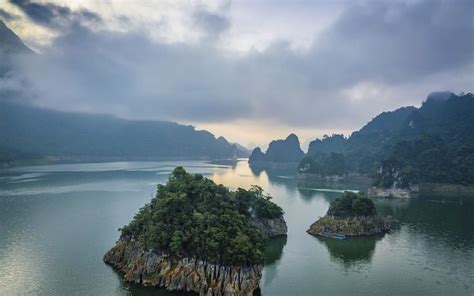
<point x="251" y="71"/>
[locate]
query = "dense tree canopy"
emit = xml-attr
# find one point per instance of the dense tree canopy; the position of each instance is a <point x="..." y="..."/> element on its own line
<point x="192" y="216"/>
<point x="433" y="143"/>
<point x="352" y="204"/>
<point x="29" y="132"/>
<point x="324" y="164"/>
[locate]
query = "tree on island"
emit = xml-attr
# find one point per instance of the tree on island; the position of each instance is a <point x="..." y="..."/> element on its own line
<point x="352" y="214"/>
<point x="191" y="216"/>
<point x="352" y="204"/>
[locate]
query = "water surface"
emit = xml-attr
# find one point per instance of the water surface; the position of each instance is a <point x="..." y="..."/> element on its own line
<point x="57" y="221"/>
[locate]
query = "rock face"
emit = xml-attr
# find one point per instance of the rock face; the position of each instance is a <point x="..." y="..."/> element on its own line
<point x="393" y="192"/>
<point x="149" y="268"/>
<point x="271" y="227"/>
<point x="354" y="226"/>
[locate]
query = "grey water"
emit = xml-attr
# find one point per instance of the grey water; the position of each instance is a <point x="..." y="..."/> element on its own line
<point x="57" y="221"/>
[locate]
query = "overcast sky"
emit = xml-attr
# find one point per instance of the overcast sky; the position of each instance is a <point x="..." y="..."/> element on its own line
<point x="251" y="71"/>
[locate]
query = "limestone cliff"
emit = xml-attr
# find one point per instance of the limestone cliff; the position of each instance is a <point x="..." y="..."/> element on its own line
<point x="155" y="269"/>
<point x="150" y="268"/>
<point x="393" y="192"/>
<point x="198" y="236"/>
<point x="271" y="227"/>
<point x="352" y="226"/>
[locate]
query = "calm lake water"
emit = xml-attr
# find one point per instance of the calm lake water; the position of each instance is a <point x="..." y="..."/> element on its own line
<point x="57" y="221"/>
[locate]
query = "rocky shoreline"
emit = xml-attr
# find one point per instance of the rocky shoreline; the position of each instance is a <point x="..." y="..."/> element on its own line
<point x="352" y="226"/>
<point x="420" y="189"/>
<point x="353" y="181"/>
<point x="270" y="227"/>
<point x="393" y="192"/>
<point x="148" y="268"/>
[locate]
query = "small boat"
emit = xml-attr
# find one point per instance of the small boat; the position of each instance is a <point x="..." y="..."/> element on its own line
<point x="338" y="236"/>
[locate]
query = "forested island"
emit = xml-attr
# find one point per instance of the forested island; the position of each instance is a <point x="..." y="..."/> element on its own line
<point x="198" y="236"/>
<point x="352" y="214"/>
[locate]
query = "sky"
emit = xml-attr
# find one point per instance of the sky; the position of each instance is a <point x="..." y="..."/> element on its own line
<point x="251" y="71"/>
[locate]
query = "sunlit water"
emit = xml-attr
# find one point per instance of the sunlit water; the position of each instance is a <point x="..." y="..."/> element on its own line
<point x="57" y="221"/>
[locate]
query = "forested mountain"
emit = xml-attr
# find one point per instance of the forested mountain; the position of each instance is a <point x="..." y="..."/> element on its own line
<point x="29" y="133"/>
<point x="32" y="134"/>
<point x="433" y="143"/>
<point x="285" y="151"/>
<point x="435" y="146"/>
<point x="368" y="145"/>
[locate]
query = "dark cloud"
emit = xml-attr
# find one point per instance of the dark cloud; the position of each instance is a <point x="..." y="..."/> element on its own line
<point x="410" y="49"/>
<point x="5" y="15"/>
<point x="394" y="41"/>
<point x="52" y="15"/>
<point x="212" y="23"/>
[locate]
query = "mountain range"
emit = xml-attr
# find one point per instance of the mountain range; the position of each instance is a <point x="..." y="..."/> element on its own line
<point x="30" y="134"/>
<point x="432" y="144"/>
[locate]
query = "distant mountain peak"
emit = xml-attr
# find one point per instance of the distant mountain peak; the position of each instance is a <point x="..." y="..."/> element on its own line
<point x="439" y="96"/>
<point x="293" y="138"/>
<point x="223" y="140"/>
<point x="10" y="43"/>
<point x="279" y="151"/>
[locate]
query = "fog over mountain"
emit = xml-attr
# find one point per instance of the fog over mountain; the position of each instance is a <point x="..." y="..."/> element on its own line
<point x="201" y="64"/>
<point x="31" y="134"/>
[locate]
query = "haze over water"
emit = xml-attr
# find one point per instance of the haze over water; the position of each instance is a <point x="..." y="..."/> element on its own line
<point x="57" y="221"/>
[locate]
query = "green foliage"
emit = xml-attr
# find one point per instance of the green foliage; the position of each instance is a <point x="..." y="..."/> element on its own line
<point x="192" y="216"/>
<point x="324" y="164"/>
<point x="28" y="131"/>
<point x="433" y="144"/>
<point x="427" y="159"/>
<point x="352" y="205"/>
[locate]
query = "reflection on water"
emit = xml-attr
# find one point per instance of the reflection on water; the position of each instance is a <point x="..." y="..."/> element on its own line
<point x="273" y="253"/>
<point x="57" y="221"/>
<point x="351" y="251"/>
<point x="274" y="249"/>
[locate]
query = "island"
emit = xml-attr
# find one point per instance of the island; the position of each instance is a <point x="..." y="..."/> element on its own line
<point x="281" y="154"/>
<point x="352" y="214"/>
<point x="198" y="236"/>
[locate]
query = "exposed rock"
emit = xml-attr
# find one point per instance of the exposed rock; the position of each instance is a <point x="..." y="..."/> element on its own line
<point x="393" y="192"/>
<point x="352" y="180"/>
<point x="321" y="178"/>
<point x="149" y="268"/>
<point x="271" y="227"/>
<point x="353" y="226"/>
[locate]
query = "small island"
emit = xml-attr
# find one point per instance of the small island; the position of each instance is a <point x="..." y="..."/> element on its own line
<point x="281" y="154"/>
<point x="198" y="236"/>
<point x="352" y="214"/>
